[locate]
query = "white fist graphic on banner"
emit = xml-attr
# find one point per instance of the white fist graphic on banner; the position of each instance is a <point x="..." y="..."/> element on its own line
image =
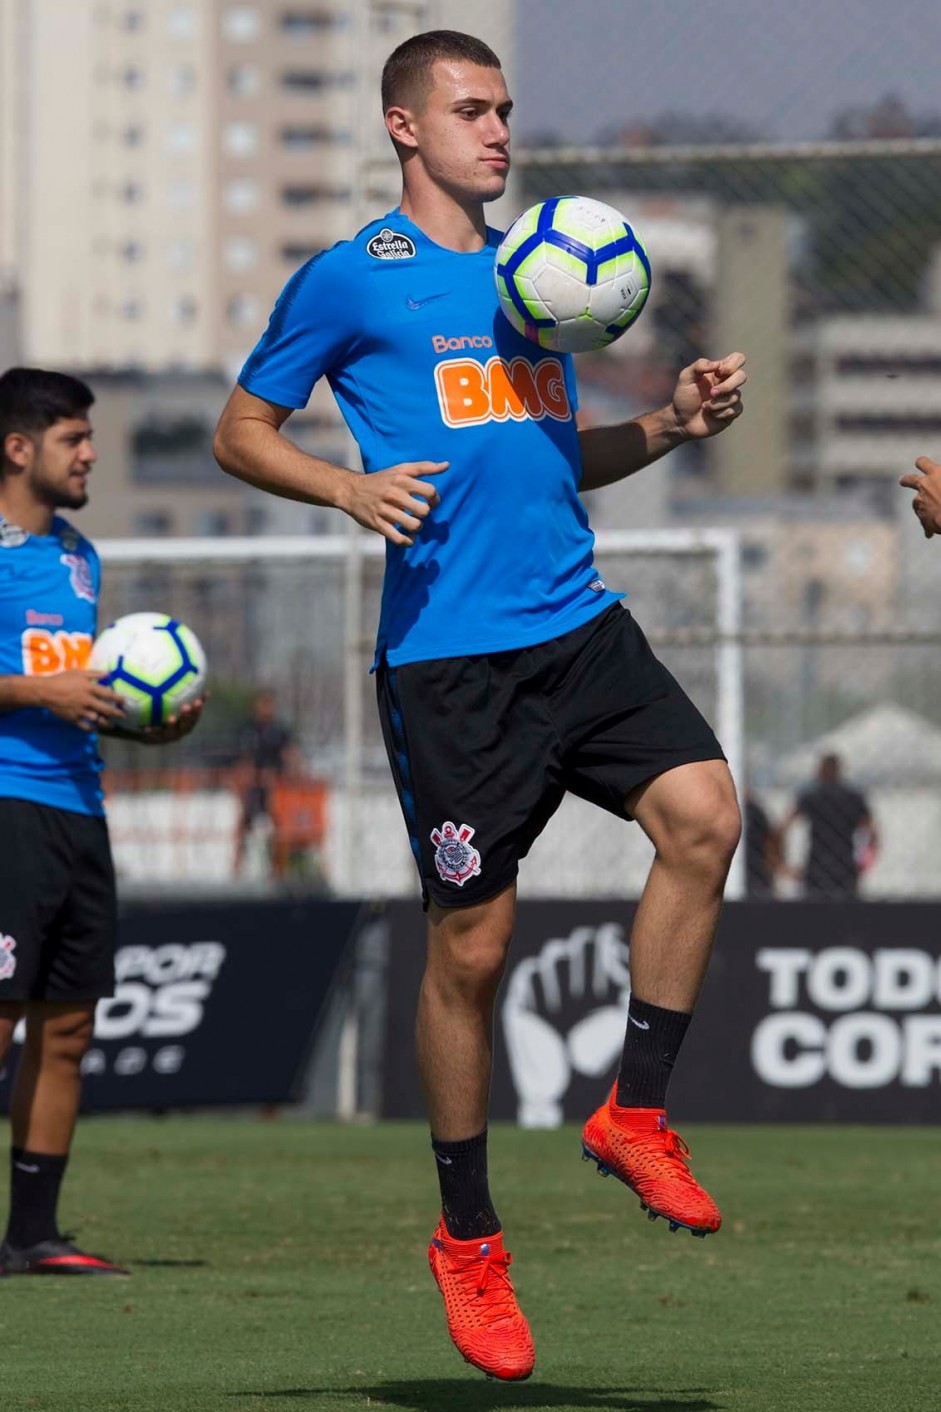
<point x="543" y="994"/>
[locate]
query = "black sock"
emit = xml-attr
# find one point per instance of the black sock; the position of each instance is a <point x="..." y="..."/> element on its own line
<point x="465" y="1196"/>
<point x="651" y="1043"/>
<point x="35" y="1178"/>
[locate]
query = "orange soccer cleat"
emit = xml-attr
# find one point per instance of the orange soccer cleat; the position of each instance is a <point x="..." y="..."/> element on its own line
<point x="637" y="1145"/>
<point x="484" y="1319"/>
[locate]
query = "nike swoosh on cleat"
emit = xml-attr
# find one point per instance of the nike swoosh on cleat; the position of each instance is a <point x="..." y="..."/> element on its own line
<point x="420" y="303"/>
<point x="641" y="1024"/>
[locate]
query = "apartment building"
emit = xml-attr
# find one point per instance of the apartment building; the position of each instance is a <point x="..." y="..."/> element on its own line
<point x="165" y="166"/>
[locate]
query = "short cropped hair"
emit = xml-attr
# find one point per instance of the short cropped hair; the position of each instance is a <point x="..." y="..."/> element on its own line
<point x="407" y="73"/>
<point x="32" y="400"/>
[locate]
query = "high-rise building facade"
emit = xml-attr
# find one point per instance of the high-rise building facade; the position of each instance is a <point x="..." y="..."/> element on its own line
<point x="166" y="164"/>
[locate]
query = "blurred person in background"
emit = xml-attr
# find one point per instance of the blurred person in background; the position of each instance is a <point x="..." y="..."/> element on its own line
<point x="267" y="755"/>
<point x="762" y="848"/>
<point x="843" y="842"/>
<point x="507" y="672"/>
<point x="927" y="487"/>
<point x="57" y="887"/>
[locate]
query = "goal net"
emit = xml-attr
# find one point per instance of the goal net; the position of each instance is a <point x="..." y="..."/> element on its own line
<point x="297" y="615"/>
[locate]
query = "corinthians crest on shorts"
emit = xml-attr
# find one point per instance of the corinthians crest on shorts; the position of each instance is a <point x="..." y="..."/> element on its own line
<point x="455" y="859"/>
<point x="7" y="959"/>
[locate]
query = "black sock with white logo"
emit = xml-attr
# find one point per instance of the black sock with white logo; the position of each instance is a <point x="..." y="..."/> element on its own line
<point x="465" y="1194"/>
<point x="652" y="1041"/>
<point x="35" y="1178"/>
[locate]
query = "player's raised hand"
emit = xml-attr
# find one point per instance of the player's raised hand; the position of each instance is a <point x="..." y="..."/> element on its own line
<point x="394" y="502"/>
<point x="77" y="696"/>
<point x="927" y="502"/>
<point x="708" y="397"/>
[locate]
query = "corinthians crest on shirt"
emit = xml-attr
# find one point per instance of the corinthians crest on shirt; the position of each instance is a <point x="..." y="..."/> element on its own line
<point x="455" y="859"/>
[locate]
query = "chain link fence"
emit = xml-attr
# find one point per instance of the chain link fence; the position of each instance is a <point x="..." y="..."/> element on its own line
<point x="784" y="172"/>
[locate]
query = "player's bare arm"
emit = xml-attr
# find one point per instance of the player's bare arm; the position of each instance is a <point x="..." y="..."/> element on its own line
<point x="927" y="487"/>
<point x="707" y="399"/>
<point x="249" y="444"/>
<point x="75" y="696"/>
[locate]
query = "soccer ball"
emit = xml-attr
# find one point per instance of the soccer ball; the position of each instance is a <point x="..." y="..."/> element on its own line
<point x="571" y="274"/>
<point x="154" y="663"/>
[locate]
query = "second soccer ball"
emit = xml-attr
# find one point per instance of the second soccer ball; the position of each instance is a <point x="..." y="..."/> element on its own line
<point x="155" y="664"/>
<point x="572" y="274"/>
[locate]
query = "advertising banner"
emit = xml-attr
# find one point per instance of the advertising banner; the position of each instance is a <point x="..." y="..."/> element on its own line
<point x="810" y="1012"/>
<point x="215" y="1002"/>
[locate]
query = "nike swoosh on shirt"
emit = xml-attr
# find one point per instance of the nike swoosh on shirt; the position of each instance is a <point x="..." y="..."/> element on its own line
<point x="419" y="303"/>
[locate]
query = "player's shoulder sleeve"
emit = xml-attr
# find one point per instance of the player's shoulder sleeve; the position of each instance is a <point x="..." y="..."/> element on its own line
<point x="312" y="327"/>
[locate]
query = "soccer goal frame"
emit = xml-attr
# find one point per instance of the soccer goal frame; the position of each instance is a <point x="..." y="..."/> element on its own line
<point x="355" y="548"/>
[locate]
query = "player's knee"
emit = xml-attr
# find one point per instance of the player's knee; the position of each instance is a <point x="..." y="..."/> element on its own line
<point x="65" y="1037"/>
<point x="707" y="833"/>
<point x="467" y="959"/>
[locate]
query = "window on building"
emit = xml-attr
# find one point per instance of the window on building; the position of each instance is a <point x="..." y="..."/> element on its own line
<point x="310" y="195"/>
<point x="131" y="193"/>
<point x="132" y="77"/>
<point x="181" y="195"/>
<point x="889" y="423"/>
<point x="307" y="24"/>
<point x="181" y="255"/>
<point x="240" y="253"/>
<point x="181" y="22"/>
<point x="244" y="80"/>
<point x="133" y="19"/>
<point x="241" y="24"/>
<point x="212" y="523"/>
<point x="181" y="80"/>
<point x="132" y="251"/>
<point x="132" y="135"/>
<point x="308" y="138"/>
<point x="297" y="254"/>
<point x="153" y="522"/>
<point x="132" y="309"/>
<point x="240" y="139"/>
<point x="242" y="310"/>
<point x="305" y="81"/>
<point x="184" y="311"/>
<point x="181" y="138"/>
<point x="241" y="195"/>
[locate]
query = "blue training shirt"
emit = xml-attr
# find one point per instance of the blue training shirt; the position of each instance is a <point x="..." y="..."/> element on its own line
<point x="425" y="367"/>
<point x="49" y="588"/>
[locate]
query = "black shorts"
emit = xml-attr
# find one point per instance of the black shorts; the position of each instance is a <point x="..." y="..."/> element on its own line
<point x="57" y="904"/>
<point x="483" y="749"/>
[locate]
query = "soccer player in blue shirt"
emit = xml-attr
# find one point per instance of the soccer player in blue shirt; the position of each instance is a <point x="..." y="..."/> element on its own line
<point x="507" y="671"/>
<point x="57" y="889"/>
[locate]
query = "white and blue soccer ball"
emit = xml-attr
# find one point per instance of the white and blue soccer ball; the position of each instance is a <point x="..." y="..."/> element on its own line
<point x="154" y="663"/>
<point x="572" y="274"/>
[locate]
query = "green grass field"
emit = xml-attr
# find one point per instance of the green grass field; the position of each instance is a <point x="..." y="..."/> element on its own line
<point x="282" y="1265"/>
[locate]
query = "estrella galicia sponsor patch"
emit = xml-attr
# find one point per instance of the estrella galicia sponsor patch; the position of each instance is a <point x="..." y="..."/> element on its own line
<point x="11" y="536"/>
<point x="7" y="959"/>
<point x="597" y="585"/>
<point x="390" y="245"/>
<point x="455" y="859"/>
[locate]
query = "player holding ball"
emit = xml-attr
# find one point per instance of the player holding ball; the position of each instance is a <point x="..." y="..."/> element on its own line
<point x="57" y="888"/>
<point x="507" y="672"/>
